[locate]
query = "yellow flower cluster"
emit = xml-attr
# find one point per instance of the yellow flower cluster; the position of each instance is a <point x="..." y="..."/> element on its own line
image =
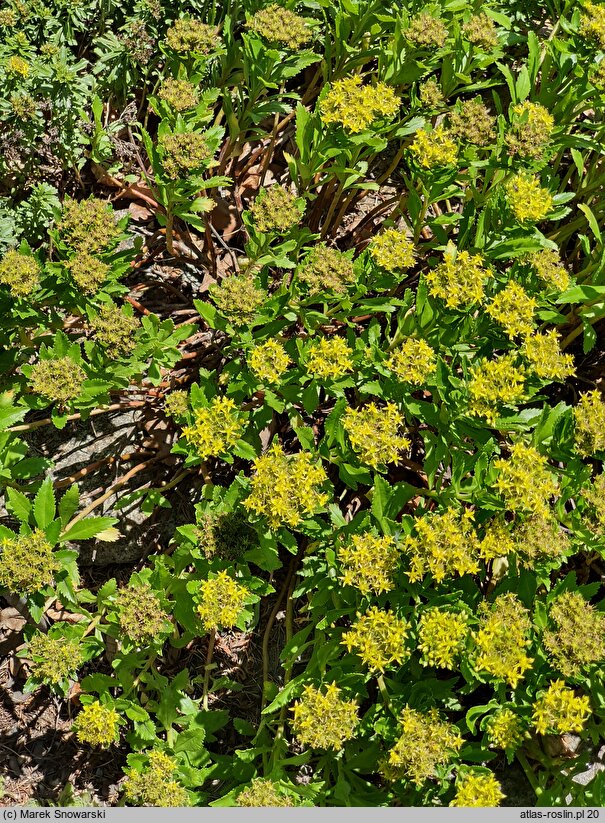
<point x="546" y="358"/>
<point x="176" y="404"/>
<point x="497" y="541"/>
<point x="528" y="201"/>
<point x="444" y="545"/>
<point x="140" y="613"/>
<point x="329" y="358"/>
<point x="88" y="225"/>
<point x="494" y="382"/>
<point x="216" y="428"/>
<point x="435" y="148"/>
<point x="369" y="563"/>
<point x="374" y="433"/>
<point x="88" y="272"/>
<point x="188" y="36"/>
<point x="430" y="93"/>
<point x="269" y="361"/>
<point x="54" y="659"/>
<point x="263" y="793"/>
<point x="327" y="269"/>
<point x="579" y="637"/>
<point x="441" y="636"/>
<point x="284" y="487"/>
<point x="558" y="710"/>
<point x="17" y="66"/>
<point x="180" y="94"/>
<point x="58" y="380"/>
<point x="548" y="266"/>
<point x="323" y="720"/>
<point x="473" y="122"/>
<point x="531" y="129"/>
<point x="275" y="209"/>
<point x="426" y="30"/>
<point x="589" y="418"/>
<point x="280" y="25"/>
<point x="524" y="480"/>
<point x="592" y="23"/>
<point x="183" y="153"/>
<point x="155" y="785"/>
<point x="595" y="495"/>
<point x="501" y="640"/>
<point x="505" y="730"/>
<point x="20" y="272"/>
<point x="459" y="279"/>
<point x="426" y="742"/>
<point x="356" y="106"/>
<point x="540" y="537"/>
<point x="477" y="789"/>
<point x="392" y="250"/>
<point x="222" y="601"/>
<point x="413" y="361"/>
<point x="513" y="309"/>
<point x="97" y="725"/>
<point x="378" y="637"/>
<point x="27" y="563"/>
<point x="481" y="31"/>
<point x="238" y="297"/>
<point x="115" y="330"/>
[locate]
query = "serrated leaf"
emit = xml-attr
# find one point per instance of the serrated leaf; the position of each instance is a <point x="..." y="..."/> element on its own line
<point x="44" y="504"/>
<point x="87" y="528"/>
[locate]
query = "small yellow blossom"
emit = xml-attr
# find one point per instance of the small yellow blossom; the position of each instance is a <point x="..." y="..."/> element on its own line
<point x="539" y="538"/>
<point x="595" y="496"/>
<point x="282" y="26"/>
<point x="369" y="563"/>
<point x="238" y="297"/>
<point x="481" y="31"/>
<point x="559" y="711"/>
<point x="531" y="129"/>
<point x="269" y="361"/>
<point x="524" y="480"/>
<point x="546" y="357"/>
<point x="222" y="601"/>
<point x="477" y="789"/>
<point x="88" y="225"/>
<point x="430" y="93"/>
<point x="20" y="272"/>
<point x="501" y="640"/>
<point x="497" y="541"/>
<point x="435" y="148"/>
<point x="327" y="269"/>
<point x="392" y="250"/>
<point x="505" y="730"/>
<point x="357" y="106"/>
<point x="592" y="23"/>
<point x="275" y="209"/>
<point x="459" y="279"/>
<point x="426" y="30"/>
<point x="426" y="742"/>
<point x="17" y="66"/>
<point x="180" y="94"/>
<point x="285" y="488"/>
<point x="114" y="330"/>
<point x="579" y="637"/>
<point x="528" y="201"/>
<point x="495" y="382"/>
<point x="549" y="268"/>
<point x="183" y="153"/>
<point x="176" y="404"/>
<point x="262" y="793"/>
<point x="378" y="637"/>
<point x="27" y="562"/>
<point x="329" y="358"/>
<point x="413" y="362"/>
<point x="97" y="725"/>
<point x="513" y="309"/>
<point x="323" y="720"/>
<point x="374" y="433"/>
<point x="188" y="36"/>
<point x="216" y="428"/>
<point x="58" y="379"/>
<point x="473" y="123"/>
<point x="155" y="785"/>
<point x="441" y="636"/>
<point x="88" y="272"/>
<point x="589" y="418"/>
<point x="53" y="659"/>
<point x="443" y="545"/>
<point x="140" y="614"/>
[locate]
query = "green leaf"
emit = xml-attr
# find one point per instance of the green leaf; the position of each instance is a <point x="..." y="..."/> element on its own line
<point x="87" y="528"/>
<point x="44" y="504"/>
<point x="69" y="504"/>
<point x="19" y="504"/>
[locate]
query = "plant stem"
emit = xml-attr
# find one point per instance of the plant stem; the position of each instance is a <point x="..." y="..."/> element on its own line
<point x="207" y="669"/>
